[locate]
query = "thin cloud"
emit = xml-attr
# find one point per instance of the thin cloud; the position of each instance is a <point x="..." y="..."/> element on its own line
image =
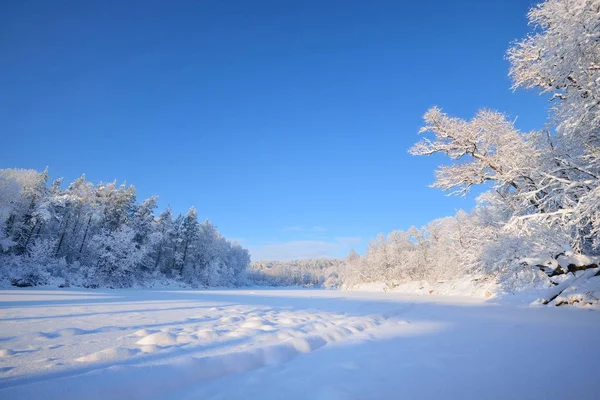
<point x="298" y="228"/>
<point x="299" y="249"/>
<point x="349" y="240"/>
<point x="292" y="229"/>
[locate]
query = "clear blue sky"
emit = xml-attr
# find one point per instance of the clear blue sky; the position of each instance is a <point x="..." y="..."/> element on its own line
<point x="286" y="123"/>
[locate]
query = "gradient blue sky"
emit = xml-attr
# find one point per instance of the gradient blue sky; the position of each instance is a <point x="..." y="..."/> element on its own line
<point x="286" y="123"/>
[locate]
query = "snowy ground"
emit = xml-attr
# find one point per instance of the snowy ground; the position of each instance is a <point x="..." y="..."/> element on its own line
<point x="293" y="344"/>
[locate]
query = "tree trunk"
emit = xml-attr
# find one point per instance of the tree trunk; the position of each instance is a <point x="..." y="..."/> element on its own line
<point x="87" y="227"/>
<point x="29" y="238"/>
<point x="158" y="257"/>
<point x="62" y="236"/>
<point x="185" y="252"/>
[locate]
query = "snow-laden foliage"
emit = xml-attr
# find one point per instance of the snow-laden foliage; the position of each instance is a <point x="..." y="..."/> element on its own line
<point x="543" y="198"/>
<point x="533" y="174"/>
<point x="489" y="146"/>
<point x="326" y="272"/>
<point x="99" y="235"/>
<point x="561" y="57"/>
<point x="445" y="249"/>
<point x="550" y="177"/>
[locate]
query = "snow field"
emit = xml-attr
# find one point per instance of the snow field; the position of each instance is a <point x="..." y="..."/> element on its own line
<point x="71" y="333"/>
<point x="297" y="344"/>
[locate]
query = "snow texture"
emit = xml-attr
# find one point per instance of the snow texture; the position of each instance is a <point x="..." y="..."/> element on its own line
<point x="293" y="344"/>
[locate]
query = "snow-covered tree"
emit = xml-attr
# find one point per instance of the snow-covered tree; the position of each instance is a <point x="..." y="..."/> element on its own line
<point x="98" y="235"/>
<point x="117" y="255"/>
<point x="10" y="190"/>
<point x="548" y="177"/>
<point x="165" y="244"/>
<point x="487" y="148"/>
<point x="561" y="57"/>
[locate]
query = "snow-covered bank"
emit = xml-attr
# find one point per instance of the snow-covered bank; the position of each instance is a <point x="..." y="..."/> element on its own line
<point x="567" y="280"/>
<point x="581" y="289"/>
<point x="465" y="286"/>
<point x="143" y="344"/>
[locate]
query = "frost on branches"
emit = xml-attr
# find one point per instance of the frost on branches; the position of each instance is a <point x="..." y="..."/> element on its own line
<point x="100" y="236"/>
<point x="543" y="198"/>
<point x="561" y="58"/>
<point x="323" y="272"/>
<point x="547" y="179"/>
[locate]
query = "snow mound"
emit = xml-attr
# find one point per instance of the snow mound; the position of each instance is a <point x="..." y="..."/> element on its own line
<point x="230" y="319"/>
<point x="6" y="352"/>
<point x="144" y="332"/>
<point x="308" y="344"/>
<point x="208" y="334"/>
<point x="159" y="338"/>
<point x="583" y="293"/>
<point x="258" y="323"/>
<point x="567" y="262"/>
<point x="288" y="321"/>
<point x="69" y="332"/>
<point x="286" y="334"/>
<point x="183" y="338"/>
<point x="113" y="353"/>
<point x="150" y="348"/>
<point x="576" y="260"/>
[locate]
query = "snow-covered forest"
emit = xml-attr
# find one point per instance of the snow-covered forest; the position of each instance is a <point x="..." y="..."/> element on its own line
<point x="540" y="212"/>
<point x="326" y="272"/>
<point x="96" y="285"/>
<point x="537" y="222"/>
<point x="106" y="296"/>
<point x="539" y="216"/>
<point x="100" y="236"/>
<point x="543" y="189"/>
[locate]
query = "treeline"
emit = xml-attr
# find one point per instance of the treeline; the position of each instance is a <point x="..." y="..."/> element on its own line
<point x="322" y="272"/>
<point x="101" y="236"/>
<point x="540" y="216"/>
<point x="543" y="200"/>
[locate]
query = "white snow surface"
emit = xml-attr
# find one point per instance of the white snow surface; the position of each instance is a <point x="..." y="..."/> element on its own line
<point x="292" y="344"/>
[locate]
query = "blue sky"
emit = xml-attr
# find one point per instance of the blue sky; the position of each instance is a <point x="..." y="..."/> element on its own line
<point x="286" y="123"/>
